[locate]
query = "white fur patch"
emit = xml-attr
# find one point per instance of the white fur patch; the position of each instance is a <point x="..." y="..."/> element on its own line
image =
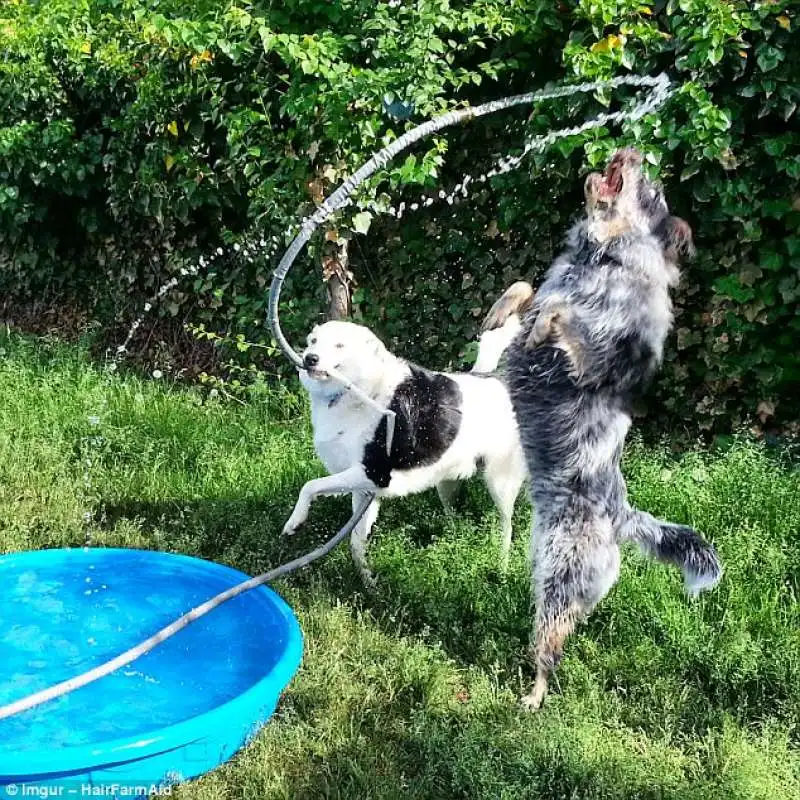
<point x="700" y="583"/>
<point x="344" y="425"/>
<point x="494" y="343"/>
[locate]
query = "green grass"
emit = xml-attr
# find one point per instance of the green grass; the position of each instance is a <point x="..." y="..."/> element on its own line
<point x="412" y="692"/>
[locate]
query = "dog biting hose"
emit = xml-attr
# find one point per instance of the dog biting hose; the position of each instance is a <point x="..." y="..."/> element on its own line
<point x="659" y="90"/>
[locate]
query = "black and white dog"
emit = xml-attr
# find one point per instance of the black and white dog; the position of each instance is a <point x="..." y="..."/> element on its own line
<point x="590" y="343"/>
<point x="447" y="425"/>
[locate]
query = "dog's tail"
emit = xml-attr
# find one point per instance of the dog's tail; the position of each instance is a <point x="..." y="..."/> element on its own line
<point x="492" y="344"/>
<point x="501" y="325"/>
<point x="678" y="545"/>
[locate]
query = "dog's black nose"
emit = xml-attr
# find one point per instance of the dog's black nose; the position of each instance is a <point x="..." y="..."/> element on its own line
<point x="310" y="360"/>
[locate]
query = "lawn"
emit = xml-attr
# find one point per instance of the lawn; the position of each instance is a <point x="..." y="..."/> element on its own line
<point x="412" y="692"/>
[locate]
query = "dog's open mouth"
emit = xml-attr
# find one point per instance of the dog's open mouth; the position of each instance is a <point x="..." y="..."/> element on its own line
<point x="613" y="179"/>
<point x="605" y="187"/>
<point x="316" y="374"/>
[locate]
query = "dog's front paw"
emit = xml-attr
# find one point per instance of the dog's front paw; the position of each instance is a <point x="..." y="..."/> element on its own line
<point x="542" y="329"/>
<point x="368" y="579"/>
<point x="299" y="516"/>
<point x="290" y="528"/>
<point x="577" y="359"/>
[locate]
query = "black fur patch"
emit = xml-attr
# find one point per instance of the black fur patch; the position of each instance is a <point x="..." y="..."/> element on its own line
<point x="632" y="367"/>
<point x="428" y="409"/>
<point x="684" y="547"/>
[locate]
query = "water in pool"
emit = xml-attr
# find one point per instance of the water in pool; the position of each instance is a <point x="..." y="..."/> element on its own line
<point x="90" y="607"/>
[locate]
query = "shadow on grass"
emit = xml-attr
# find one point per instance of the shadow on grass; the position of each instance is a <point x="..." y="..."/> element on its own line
<point x="482" y="755"/>
<point x="659" y="660"/>
<point x="438" y="574"/>
<point x="487" y="626"/>
<point x="374" y="715"/>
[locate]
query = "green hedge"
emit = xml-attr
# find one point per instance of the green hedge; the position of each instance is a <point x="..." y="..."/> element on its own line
<point x="136" y="135"/>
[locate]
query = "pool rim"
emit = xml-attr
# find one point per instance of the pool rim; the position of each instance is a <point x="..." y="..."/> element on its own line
<point x="260" y="698"/>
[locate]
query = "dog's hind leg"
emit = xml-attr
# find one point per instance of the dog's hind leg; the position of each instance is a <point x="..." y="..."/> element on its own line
<point x="359" y="539"/>
<point x="448" y="491"/>
<point x="553" y="624"/>
<point x="504" y="478"/>
<point x="575" y="567"/>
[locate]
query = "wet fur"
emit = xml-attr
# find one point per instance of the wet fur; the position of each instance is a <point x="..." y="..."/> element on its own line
<point x="607" y="298"/>
<point x="447" y="426"/>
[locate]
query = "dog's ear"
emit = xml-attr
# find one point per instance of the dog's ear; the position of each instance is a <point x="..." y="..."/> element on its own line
<point x="679" y="237"/>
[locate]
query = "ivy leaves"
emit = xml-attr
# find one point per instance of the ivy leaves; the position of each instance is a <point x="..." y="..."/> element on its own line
<point x="178" y="126"/>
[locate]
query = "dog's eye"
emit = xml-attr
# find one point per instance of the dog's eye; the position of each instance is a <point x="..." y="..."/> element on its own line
<point x="312" y="340"/>
<point x="339" y="346"/>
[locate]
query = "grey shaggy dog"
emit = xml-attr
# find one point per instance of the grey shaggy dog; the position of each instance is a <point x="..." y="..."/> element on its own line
<point x="589" y="344"/>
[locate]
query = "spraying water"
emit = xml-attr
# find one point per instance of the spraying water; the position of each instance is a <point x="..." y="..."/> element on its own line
<point x="259" y="247"/>
<point x="341" y="198"/>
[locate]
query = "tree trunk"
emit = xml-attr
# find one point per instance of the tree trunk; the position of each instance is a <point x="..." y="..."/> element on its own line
<point x="337" y="278"/>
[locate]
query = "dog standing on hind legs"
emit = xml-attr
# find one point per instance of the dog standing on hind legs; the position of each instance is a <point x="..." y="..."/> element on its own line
<point x="590" y="343"/>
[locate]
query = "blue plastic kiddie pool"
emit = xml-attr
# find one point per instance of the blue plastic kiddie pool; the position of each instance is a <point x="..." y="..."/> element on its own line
<point x="177" y="712"/>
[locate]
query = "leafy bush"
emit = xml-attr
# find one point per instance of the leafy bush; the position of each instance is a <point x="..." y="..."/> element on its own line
<point x="136" y="135"/>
